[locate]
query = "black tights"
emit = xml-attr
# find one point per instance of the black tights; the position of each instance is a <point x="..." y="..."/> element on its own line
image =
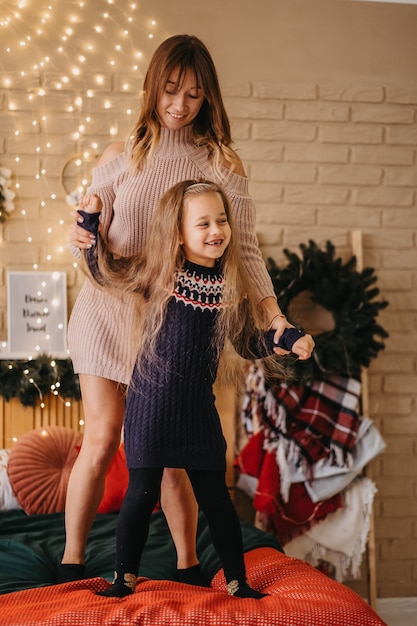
<point x="214" y="500"/>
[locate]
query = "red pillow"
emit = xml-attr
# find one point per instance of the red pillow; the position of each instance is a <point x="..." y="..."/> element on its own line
<point x="39" y="466"/>
<point x="117" y="478"/>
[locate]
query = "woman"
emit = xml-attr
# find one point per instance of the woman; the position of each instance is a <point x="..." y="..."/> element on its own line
<point x="183" y="132"/>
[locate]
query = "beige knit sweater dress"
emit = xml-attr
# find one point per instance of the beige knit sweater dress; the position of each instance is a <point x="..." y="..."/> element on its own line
<point x="101" y="324"/>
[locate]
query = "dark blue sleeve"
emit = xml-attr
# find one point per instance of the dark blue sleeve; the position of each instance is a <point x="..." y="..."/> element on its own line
<point x="288" y="338"/>
<point x="91" y="223"/>
<point x="264" y="345"/>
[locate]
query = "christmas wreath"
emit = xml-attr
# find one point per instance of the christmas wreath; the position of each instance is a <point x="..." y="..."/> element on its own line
<point x="347" y="294"/>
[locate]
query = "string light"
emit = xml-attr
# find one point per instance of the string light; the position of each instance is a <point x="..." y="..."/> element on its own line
<point x="76" y="68"/>
<point x="29" y="382"/>
<point x="33" y="380"/>
<point x="80" y="64"/>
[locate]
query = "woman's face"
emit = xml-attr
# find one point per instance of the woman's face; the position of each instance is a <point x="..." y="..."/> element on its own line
<point x="179" y="106"/>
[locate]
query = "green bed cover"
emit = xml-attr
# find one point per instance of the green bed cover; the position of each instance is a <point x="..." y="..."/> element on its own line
<point x="31" y="548"/>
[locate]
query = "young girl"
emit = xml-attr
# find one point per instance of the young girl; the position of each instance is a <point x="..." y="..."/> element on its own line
<point x="197" y="294"/>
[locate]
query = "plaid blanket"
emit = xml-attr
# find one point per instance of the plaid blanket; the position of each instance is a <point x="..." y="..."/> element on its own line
<point x="304" y="423"/>
<point x="286" y="519"/>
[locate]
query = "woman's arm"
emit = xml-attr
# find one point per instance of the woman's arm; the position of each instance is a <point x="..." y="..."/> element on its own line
<point x="244" y="213"/>
<point x="279" y="323"/>
<point x="80" y="238"/>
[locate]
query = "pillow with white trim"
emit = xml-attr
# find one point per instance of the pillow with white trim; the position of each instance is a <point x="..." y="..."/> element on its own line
<point x="8" y="500"/>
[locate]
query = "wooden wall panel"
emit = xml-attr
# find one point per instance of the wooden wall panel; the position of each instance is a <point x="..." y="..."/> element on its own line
<point x="15" y="419"/>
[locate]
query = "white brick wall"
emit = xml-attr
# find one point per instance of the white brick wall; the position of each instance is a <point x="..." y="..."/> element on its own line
<point x="341" y="157"/>
<point x="322" y="159"/>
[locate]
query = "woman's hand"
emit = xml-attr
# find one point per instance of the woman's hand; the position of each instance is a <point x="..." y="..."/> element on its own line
<point x="79" y="236"/>
<point x="279" y="323"/>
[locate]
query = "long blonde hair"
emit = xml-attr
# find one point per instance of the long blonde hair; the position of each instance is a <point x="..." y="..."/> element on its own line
<point x="153" y="275"/>
<point x="211" y="127"/>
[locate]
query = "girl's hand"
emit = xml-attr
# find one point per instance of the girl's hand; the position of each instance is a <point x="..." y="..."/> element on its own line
<point x="91" y="203"/>
<point x="303" y="347"/>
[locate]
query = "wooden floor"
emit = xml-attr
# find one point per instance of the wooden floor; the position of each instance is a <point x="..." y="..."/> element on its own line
<point x="398" y="611"/>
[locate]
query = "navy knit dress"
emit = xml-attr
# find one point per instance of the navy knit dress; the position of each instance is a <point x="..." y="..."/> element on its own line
<point x="170" y="418"/>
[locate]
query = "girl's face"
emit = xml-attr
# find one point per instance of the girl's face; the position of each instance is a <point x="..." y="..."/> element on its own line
<point x="205" y="230"/>
<point x="179" y="106"/>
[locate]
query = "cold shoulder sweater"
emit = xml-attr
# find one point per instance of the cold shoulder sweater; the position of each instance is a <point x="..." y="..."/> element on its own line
<point x="100" y="328"/>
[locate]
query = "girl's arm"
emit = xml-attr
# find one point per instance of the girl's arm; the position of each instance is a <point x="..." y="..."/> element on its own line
<point x="116" y="273"/>
<point x="89" y="212"/>
<point x="265" y="344"/>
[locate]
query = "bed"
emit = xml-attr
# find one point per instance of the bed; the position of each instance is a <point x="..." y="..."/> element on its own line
<point x="30" y="549"/>
<point x="31" y="545"/>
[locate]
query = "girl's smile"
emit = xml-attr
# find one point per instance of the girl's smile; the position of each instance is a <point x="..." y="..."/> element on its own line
<point x="205" y="230"/>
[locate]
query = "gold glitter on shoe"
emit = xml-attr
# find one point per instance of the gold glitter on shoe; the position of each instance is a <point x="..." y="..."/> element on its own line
<point x="130" y="581"/>
<point x="232" y="587"/>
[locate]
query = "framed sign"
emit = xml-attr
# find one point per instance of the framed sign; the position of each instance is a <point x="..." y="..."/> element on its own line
<point x="37" y="314"/>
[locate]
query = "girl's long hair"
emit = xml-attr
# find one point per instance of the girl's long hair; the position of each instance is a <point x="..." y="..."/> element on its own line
<point x="211" y="127"/>
<point x="153" y="275"/>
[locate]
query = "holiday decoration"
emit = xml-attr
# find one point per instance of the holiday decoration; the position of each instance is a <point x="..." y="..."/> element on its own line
<point x="347" y="294"/>
<point x="59" y="52"/>
<point x="32" y="380"/>
<point x="6" y="195"/>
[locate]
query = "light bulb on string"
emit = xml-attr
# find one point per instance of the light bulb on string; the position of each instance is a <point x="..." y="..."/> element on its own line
<point x="56" y="38"/>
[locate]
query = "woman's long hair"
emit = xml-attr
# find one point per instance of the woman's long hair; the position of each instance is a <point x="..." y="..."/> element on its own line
<point x="153" y="275"/>
<point x="211" y="127"/>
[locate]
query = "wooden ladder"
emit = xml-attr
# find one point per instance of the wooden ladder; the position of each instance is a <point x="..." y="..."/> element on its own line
<point x="357" y="249"/>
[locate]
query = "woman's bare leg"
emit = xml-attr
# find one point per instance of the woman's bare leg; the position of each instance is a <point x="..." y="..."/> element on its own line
<point x="103" y="403"/>
<point x="181" y="510"/>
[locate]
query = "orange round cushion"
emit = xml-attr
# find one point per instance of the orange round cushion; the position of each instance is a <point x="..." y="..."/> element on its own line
<point x="39" y="466"/>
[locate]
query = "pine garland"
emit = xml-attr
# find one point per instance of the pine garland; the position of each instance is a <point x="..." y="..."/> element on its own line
<point x="347" y="294"/>
<point x="32" y="380"/>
